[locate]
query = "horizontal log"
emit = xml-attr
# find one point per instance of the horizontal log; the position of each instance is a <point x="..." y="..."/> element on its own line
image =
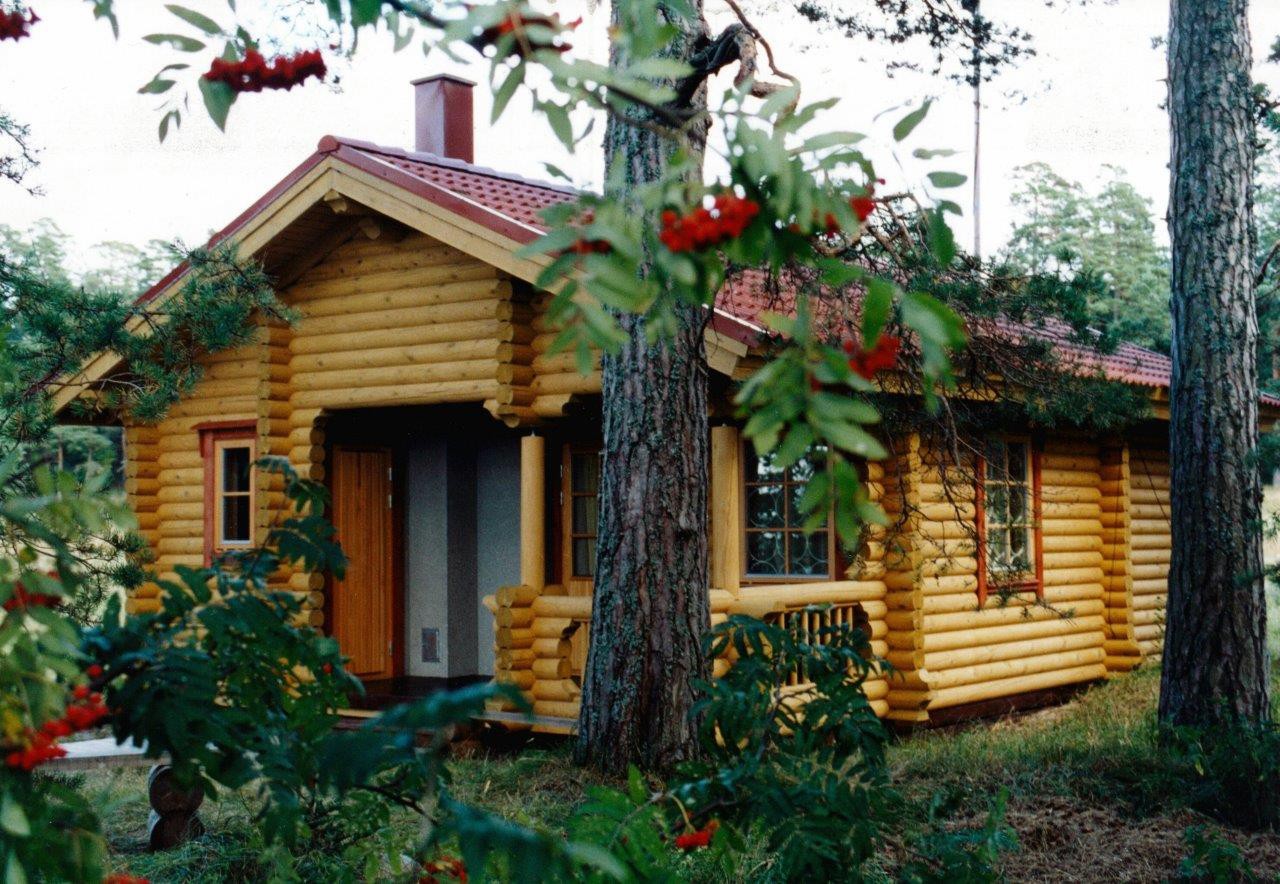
<point x="403" y="394"/>
<point x="1052" y="509"/>
<point x="974" y="693"/>
<point x="422" y="354"/>
<point x="1062" y="494"/>
<point x="1055" y="478"/>
<point x="561" y="607"/>
<point x="554" y="709"/>
<point x="409" y="297"/>
<point x="376" y="320"/>
<point x="509" y="637"/>
<point x="1063" y="543"/>
<point x="1014" y="650"/>
<point x="552" y="648"/>
<point x="1056" y="560"/>
<point x="569" y="382"/>
<point x="551" y="668"/>
<point x="514" y="617"/>
<point x="1051" y="527"/>
<point x="1038" y="623"/>
<point x="554" y="627"/>
<point x="1066" y="576"/>
<point x="564" y="690"/>
<point x="1022" y="666"/>
<point x="465" y="370"/>
<point x="309" y="295"/>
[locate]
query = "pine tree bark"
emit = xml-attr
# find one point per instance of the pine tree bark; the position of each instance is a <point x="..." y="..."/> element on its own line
<point x="1215" y="656"/>
<point x="651" y="606"/>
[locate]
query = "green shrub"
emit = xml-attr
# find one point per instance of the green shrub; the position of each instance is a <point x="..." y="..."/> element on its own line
<point x="1231" y="773"/>
<point x="1212" y="858"/>
<point x="799" y="774"/>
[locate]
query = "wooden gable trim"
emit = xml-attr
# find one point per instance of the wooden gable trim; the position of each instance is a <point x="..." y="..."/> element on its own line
<point x="255" y="234"/>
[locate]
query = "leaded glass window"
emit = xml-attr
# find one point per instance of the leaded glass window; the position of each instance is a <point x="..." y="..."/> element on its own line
<point x="776" y="543"/>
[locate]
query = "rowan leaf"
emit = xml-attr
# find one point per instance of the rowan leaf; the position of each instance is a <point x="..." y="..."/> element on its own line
<point x="218" y="98"/>
<point x="197" y="19"/>
<point x="907" y="124"/>
<point x="947" y="179"/>
<point x="181" y="42"/>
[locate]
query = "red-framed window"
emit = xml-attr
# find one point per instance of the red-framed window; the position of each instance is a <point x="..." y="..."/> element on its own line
<point x="229" y="449"/>
<point x="1008" y="513"/>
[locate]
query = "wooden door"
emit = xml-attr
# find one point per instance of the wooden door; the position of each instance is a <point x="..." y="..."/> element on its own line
<point x="362" y="604"/>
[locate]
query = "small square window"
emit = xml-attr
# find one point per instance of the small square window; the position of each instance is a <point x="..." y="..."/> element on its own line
<point x="229" y="455"/>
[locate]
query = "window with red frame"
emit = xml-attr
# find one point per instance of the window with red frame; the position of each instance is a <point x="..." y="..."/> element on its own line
<point x="228" y="452"/>
<point x="1008" y="516"/>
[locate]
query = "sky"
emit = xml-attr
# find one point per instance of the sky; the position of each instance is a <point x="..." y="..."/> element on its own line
<point x="1089" y="99"/>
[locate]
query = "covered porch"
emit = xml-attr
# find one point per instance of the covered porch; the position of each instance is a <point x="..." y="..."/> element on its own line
<point x="541" y="622"/>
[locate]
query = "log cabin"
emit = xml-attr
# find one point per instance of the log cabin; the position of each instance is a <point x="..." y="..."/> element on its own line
<point x="462" y="459"/>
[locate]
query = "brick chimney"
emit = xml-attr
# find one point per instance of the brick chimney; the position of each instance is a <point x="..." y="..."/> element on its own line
<point x="442" y="117"/>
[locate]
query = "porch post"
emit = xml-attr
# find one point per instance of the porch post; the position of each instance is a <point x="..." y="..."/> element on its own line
<point x="533" y="511"/>
<point x="726" y="543"/>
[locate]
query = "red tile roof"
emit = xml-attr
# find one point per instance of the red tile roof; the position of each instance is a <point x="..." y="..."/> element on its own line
<point x="510" y="205"/>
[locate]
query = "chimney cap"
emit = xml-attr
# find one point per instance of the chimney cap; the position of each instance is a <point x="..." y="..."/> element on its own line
<point x="433" y="77"/>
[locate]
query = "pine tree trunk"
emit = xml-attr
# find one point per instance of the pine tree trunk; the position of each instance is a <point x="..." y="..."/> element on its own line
<point x="651" y="606"/>
<point x="1215" y="656"/>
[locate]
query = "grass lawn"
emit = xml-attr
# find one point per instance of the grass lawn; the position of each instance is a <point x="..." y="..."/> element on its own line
<point x="1088" y="797"/>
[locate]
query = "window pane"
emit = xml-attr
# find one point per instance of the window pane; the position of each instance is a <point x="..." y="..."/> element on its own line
<point x="998" y="550"/>
<point x="1017" y="504"/>
<point x="763" y="469"/>
<point x="802" y="470"/>
<point x="586" y="472"/>
<point x="235" y="519"/>
<point x="1018" y="462"/>
<point x="235" y="468"/>
<point x="808" y="554"/>
<point x="764" y="553"/>
<point x="997" y="504"/>
<point x="764" y="506"/>
<point x="995" y="457"/>
<point x="585" y="514"/>
<point x="1019" y="559"/>
<point x="584" y="557"/>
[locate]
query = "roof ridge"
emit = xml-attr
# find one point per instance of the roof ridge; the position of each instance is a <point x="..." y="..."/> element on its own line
<point x="330" y="143"/>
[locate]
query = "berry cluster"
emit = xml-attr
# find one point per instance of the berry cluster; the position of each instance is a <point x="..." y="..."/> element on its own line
<point x="124" y="879"/>
<point x="255" y="73"/>
<point x="590" y="246"/>
<point x="698" y="838"/>
<point x="864" y="204"/>
<point x="85" y="711"/>
<point x="444" y="868"/>
<point x="14" y="25"/>
<point x="702" y="228"/>
<point x="23" y="599"/>
<point x="518" y="22"/>
<point x="884" y="354"/>
<point x="39" y="749"/>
